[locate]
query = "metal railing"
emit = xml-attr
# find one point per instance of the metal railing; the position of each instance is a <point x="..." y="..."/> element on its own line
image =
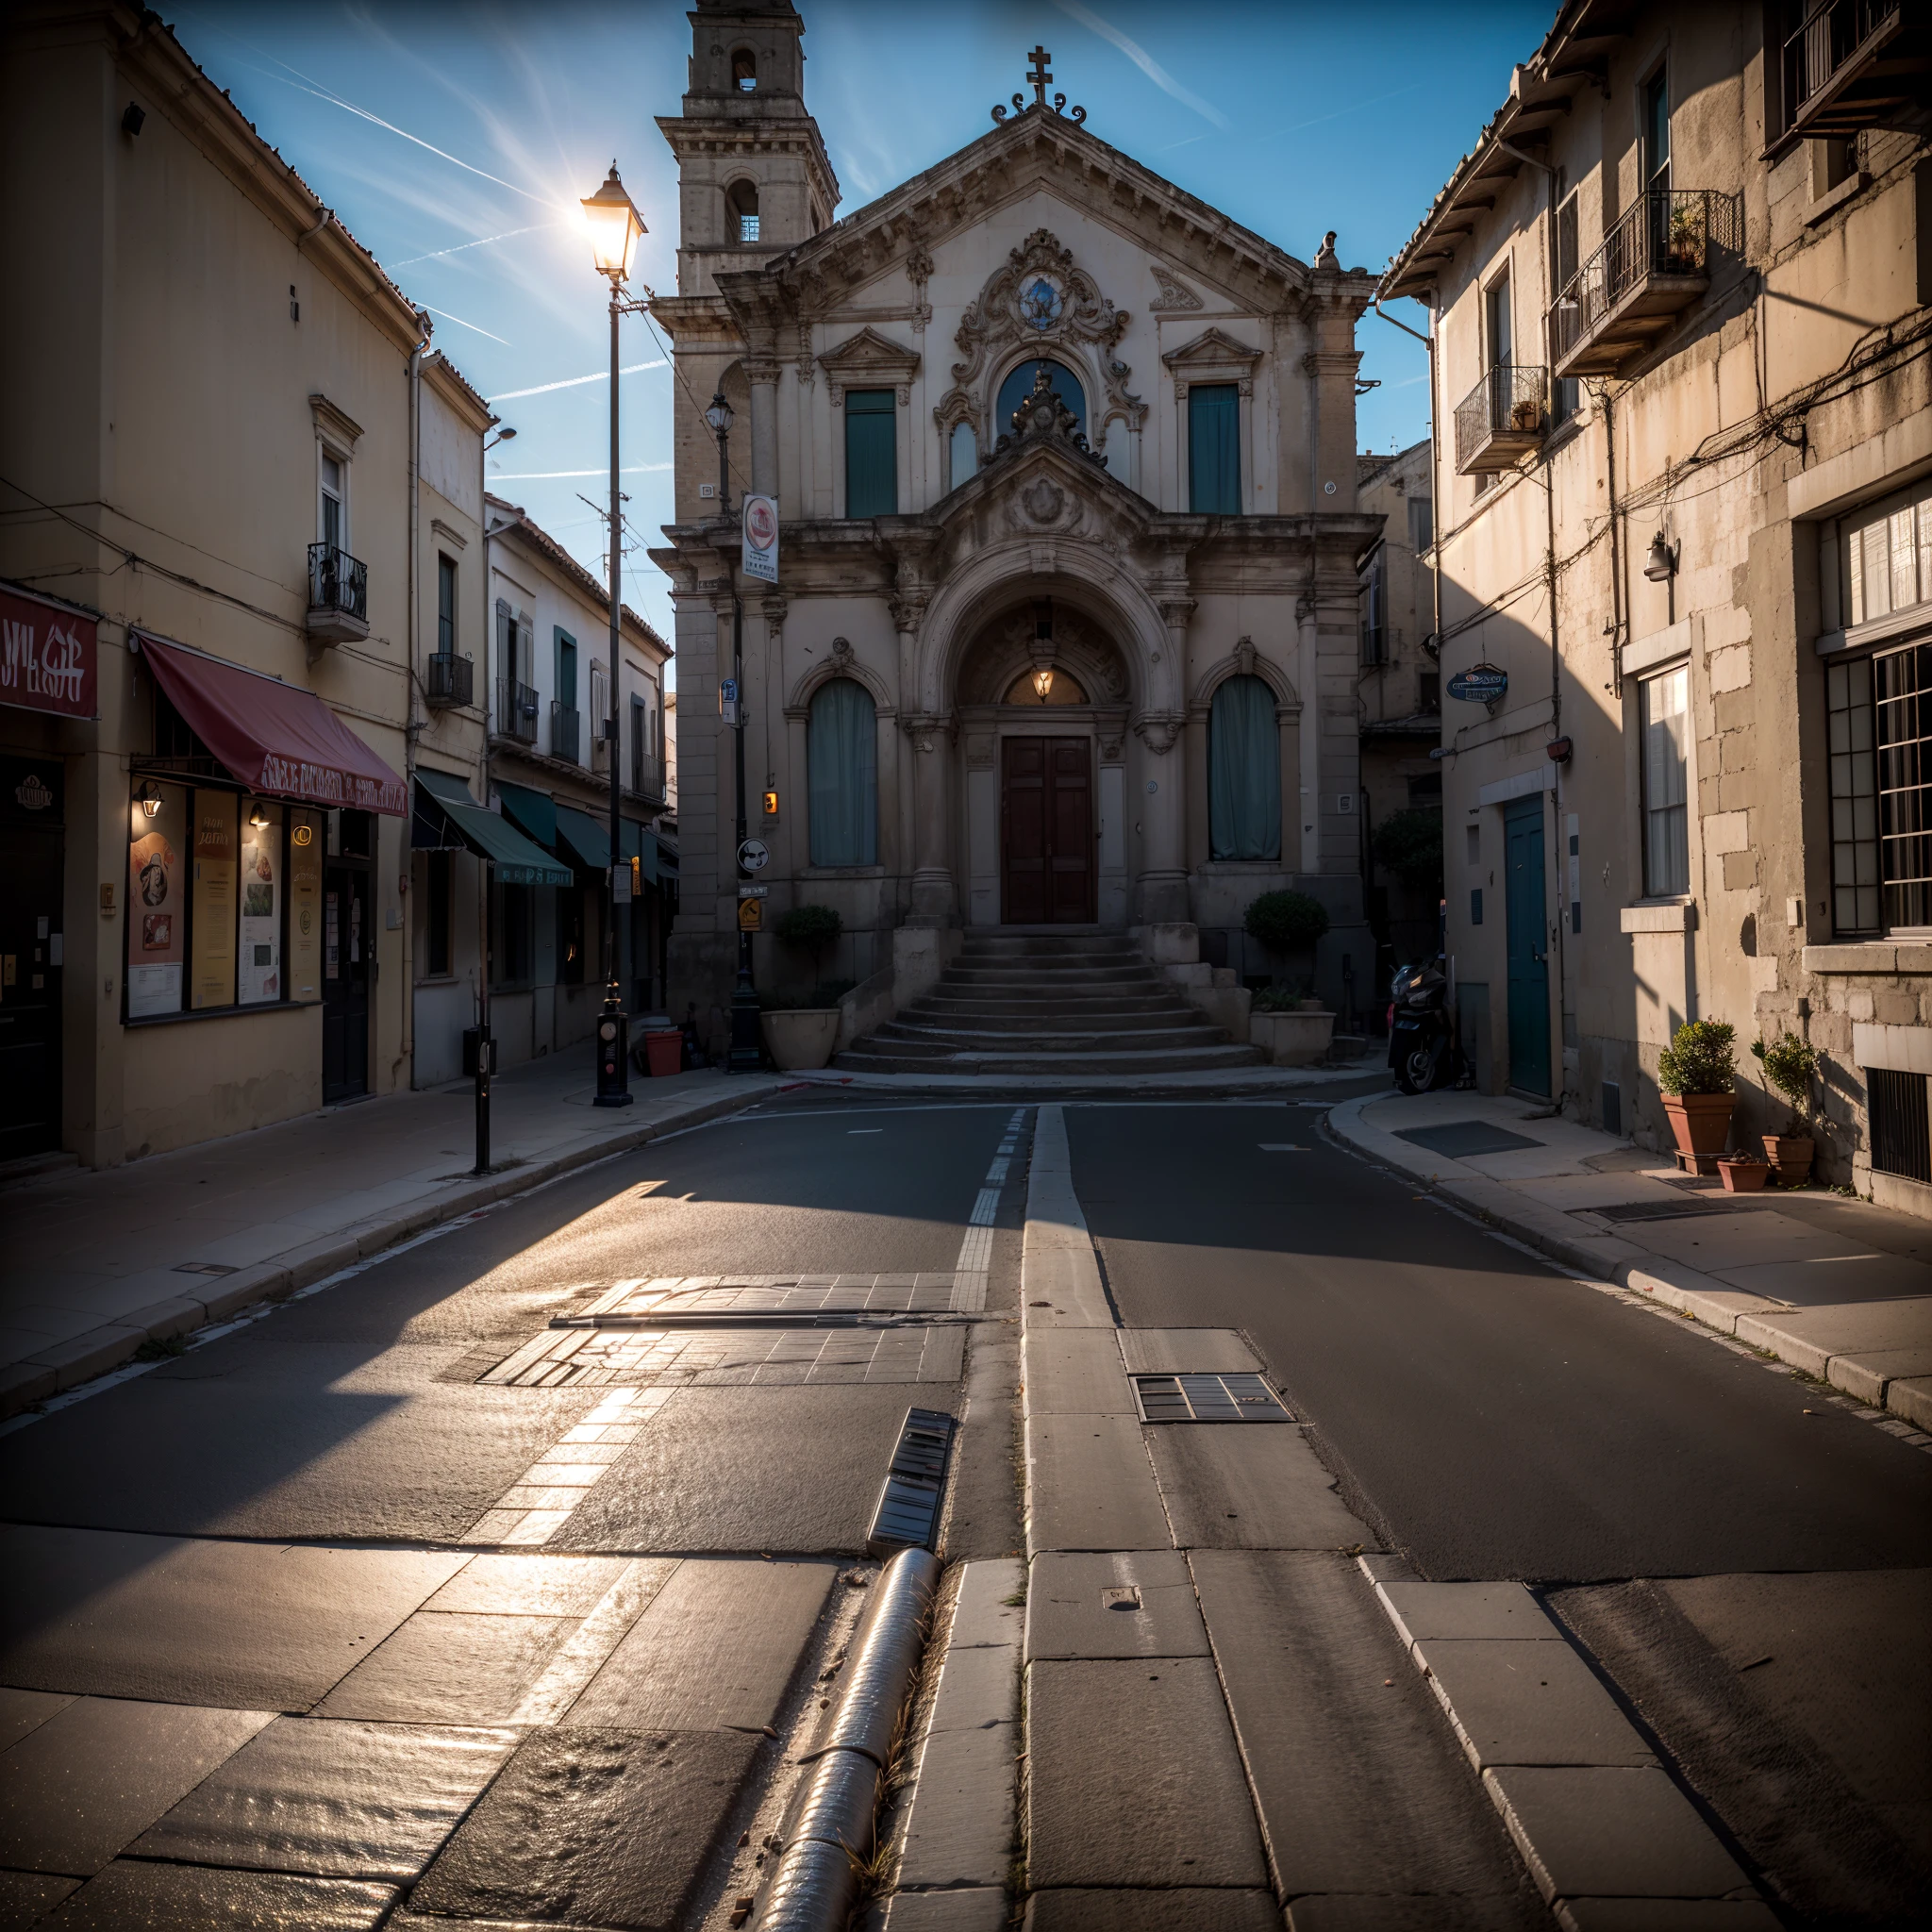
<point x="1666" y="231"/>
<point x="338" y="582"/>
<point x="451" y="680"/>
<point x="563" y="731"/>
<point x="1512" y="400"/>
<point x="516" y="711"/>
<point x="1829" y="34"/>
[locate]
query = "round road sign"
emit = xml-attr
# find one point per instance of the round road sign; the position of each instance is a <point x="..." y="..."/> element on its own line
<point x="753" y="855"/>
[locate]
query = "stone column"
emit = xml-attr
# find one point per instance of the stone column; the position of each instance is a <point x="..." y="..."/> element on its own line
<point x="931" y="736"/>
<point x="1163" y="811"/>
<point x="763" y="377"/>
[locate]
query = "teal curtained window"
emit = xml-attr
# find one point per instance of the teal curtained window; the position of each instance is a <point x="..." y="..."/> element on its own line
<point x="1214" y="449"/>
<point x="872" y="456"/>
<point x="1243" y="772"/>
<point x="841" y="762"/>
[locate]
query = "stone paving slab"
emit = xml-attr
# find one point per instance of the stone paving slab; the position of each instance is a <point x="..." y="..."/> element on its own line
<point x="450" y="1668"/>
<point x="1516" y="1702"/>
<point x="1073" y="1372"/>
<point x="1230" y="1486"/>
<point x="1187" y="1350"/>
<point x="23" y="1711"/>
<point x="1150" y="1750"/>
<point x="332" y="1800"/>
<point x="96" y="1776"/>
<point x="1426" y="1610"/>
<point x="625" y="1821"/>
<point x="1810" y="1338"/>
<point x="1185" y="1909"/>
<point x="132" y="1896"/>
<point x="961" y="1831"/>
<point x="1372" y="1912"/>
<point x="27" y="1897"/>
<point x="1118" y="1603"/>
<point x="1089" y="1486"/>
<point x="966" y="1908"/>
<point x="1666" y="1915"/>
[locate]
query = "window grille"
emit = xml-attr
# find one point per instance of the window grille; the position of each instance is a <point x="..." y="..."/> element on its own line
<point x="1901" y="1125"/>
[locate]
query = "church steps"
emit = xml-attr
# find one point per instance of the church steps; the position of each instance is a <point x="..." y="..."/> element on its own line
<point x="954" y="1040"/>
<point x="857" y="1059"/>
<point x="931" y="1019"/>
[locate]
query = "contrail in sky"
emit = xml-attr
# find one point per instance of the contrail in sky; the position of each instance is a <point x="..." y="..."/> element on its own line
<point x="1143" y="60"/>
<point x="461" y="323"/>
<point x="481" y="242"/>
<point x="510" y="396"/>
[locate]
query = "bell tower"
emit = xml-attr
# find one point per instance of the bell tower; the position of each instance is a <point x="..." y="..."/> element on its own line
<point x="752" y="175"/>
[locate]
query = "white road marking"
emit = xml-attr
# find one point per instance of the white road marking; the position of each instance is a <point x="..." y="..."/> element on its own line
<point x="1281" y="1147"/>
<point x="976" y="1251"/>
<point x="537" y="1505"/>
<point x="865" y="1130"/>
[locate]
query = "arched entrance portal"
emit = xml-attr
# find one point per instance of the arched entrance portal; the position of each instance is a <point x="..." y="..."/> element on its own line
<point x="1043" y="704"/>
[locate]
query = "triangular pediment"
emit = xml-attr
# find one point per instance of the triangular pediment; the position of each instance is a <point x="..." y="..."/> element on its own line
<point x="1212" y="349"/>
<point x="1046" y="488"/>
<point x="869" y="357"/>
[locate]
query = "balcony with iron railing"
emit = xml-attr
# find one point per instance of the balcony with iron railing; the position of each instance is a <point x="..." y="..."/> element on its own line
<point x="647" y="776"/>
<point x="1502" y="419"/>
<point x="1653" y="265"/>
<point x="563" y="731"/>
<point x="450" y="682"/>
<point x="516" y="711"/>
<point x="338" y="594"/>
<point x="1850" y="65"/>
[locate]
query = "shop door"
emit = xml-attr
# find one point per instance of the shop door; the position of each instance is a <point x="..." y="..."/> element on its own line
<point x="1529" y="967"/>
<point x="31" y="940"/>
<point x="1047" y="830"/>
<point x="346" y="937"/>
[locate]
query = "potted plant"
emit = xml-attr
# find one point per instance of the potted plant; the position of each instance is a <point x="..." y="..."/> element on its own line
<point x="1789" y="1064"/>
<point x="804" y="1036"/>
<point x="1292" y="1030"/>
<point x="1684" y="243"/>
<point x="1742" y="1173"/>
<point x="1694" y="1076"/>
<point x="1528" y="414"/>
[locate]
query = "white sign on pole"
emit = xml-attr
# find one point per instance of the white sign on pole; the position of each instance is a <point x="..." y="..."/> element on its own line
<point x="753" y="855"/>
<point x="762" y="537"/>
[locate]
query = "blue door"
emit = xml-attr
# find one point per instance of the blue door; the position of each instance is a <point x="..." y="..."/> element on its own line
<point x="1529" y="939"/>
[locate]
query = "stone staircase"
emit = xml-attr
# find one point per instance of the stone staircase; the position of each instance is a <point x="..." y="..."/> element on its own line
<point x="1068" y="1004"/>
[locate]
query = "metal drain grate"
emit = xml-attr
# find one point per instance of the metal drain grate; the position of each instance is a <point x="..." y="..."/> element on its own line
<point x="908" y="1506"/>
<point x="1229" y="1398"/>
<point x="1664" y="1210"/>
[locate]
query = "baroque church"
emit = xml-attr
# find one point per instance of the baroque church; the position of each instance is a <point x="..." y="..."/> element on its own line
<point x="1064" y="633"/>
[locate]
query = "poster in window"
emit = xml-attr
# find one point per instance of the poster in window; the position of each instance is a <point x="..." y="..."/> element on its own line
<point x="261" y="969"/>
<point x="305" y="905"/>
<point x="217" y="820"/>
<point x="157" y="906"/>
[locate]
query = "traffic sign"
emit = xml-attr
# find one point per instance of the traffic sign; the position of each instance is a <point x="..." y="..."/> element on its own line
<point x="751" y="915"/>
<point x="761" y="555"/>
<point x="753" y="856"/>
<point x="753" y="891"/>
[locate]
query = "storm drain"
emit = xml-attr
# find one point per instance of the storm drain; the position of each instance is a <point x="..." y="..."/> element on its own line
<point x="908" y="1515"/>
<point x="1206" y="1399"/>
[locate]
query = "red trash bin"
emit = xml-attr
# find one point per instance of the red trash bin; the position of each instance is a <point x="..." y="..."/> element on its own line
<point x="664" y="1046"/>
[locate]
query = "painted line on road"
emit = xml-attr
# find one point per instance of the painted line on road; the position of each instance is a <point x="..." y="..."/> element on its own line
<point x="569" y="1672"/>
<point x="975" y="1262"/>
<point x="542" y="1499"/>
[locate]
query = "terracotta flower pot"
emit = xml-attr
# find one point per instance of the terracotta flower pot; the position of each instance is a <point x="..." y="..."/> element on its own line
<point x="1744" y="1173"/>
<point x="1702" y="1124"/>
<point x="1791" y="1155"/>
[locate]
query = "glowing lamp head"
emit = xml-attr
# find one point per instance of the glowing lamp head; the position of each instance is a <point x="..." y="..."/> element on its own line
<point x="150" y="800"/>
<point x="615" y="226"/>
<point x="1042" y="682"/>
<point x="257" y="815"/>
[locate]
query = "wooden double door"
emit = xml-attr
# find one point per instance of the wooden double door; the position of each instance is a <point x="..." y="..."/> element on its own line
<point x="1046" y="831"/>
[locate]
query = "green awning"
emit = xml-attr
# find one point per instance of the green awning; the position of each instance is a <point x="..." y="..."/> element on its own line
<point x="518" y="862"/>
<point x="535" y="811"/>
<point x="589" y="840"/>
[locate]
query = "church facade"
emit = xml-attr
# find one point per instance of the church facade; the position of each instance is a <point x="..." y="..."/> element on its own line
<point x="1065" y="628"/>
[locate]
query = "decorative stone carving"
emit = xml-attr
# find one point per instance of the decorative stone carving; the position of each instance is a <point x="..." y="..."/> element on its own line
<point x="919" y="272"/>
<point x="1158" y="730"/>
<point x="1244" y="658"/>
<point x="842" y="652"/>
<point x="1042" y="417"/>
<point x="1042" y="501"/>
<point x="1175" y="293"/>
<point x="1041" y="296"/>
<point x="1325" y="255"/>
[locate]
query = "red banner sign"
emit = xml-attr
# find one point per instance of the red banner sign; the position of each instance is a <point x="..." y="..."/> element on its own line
<point x="47" y="658"/>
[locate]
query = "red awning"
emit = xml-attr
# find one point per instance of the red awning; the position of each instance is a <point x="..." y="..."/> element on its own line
<point x="281" y="740"/>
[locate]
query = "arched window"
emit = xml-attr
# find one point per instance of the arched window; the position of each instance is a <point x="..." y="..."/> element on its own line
<point x="964" y="454"/>
<point x="744" y="72"/>
<point x="741" y="210"/>
<point x="1019" y="386"/>
<point x="1243" y="772"/>
<point x="841" y="763"/>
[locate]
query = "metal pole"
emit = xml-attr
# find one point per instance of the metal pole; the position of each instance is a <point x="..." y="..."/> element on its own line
<point x="745" y="1055"/>
<point x="613" y="1084"/>
<point x="484" y="1049"/>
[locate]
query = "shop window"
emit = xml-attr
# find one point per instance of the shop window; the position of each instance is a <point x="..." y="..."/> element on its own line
<point x="1880" y="743"/>
<point x="872" y="456"/>
<point x="1664" y="706"/>
<point x="1214" y="449"/>
<point x="513" y="936"/>
<point x="570" y="935"/>
<point x="439" y="885"/>
<point x="258" y="957"/>
<point x="842" y="758"/>
<point x="1243" y="772"/>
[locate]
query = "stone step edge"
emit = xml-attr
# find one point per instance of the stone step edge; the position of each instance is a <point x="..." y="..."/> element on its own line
<point x="64" y="1365"/>
<point x="1382" y="1570"/>
<point x="1748" y="1319"/>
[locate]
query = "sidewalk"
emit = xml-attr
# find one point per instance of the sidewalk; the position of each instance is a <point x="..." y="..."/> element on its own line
<point x="1835" y="1287"/>
<point x="98" y="1263"/>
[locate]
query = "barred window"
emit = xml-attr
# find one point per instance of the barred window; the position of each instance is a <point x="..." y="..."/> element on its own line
<point x="1879" y="721"/>
<point x="1665" y="721"/>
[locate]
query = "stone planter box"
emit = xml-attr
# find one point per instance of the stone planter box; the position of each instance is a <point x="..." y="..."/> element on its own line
<point x="1291" y="1040"/>
<point x="801" y="1039"/>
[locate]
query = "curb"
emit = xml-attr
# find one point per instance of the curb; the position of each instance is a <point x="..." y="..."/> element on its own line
<point x="65" y="1365"/>
<point x="1750" y="1319"/>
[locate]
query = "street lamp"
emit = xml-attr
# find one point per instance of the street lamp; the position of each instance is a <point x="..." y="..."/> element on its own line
<point x="744" y="1056"/>
<point x="615" y="227"/>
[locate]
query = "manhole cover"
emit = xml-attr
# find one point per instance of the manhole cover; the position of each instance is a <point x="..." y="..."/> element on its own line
<point x="1195" y="1398"/>
<point x="909" y="1505"/>
<point x="1664" y="1210"/>
<point x="1457" y="1140"/>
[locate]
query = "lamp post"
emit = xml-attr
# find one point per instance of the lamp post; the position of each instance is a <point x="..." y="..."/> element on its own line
<point x="615" y="227"/>
<point x="744" y="1056"/>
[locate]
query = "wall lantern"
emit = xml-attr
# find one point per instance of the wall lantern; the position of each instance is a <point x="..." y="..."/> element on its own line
<point x="257" y="815"/>
<point x="151" y="798"/>
<point x="1661" y="566"/>
<point x="1042" y="681"/>
<point x="771" y="805"/>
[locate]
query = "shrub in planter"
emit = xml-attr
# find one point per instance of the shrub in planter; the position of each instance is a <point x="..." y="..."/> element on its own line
<point x="1694" y="1074"/>
<point x="1285" y="922"/>
<point x="1789" y="1064"/>
<point x="1289" y="997"/>
<point x="811" y="929"/>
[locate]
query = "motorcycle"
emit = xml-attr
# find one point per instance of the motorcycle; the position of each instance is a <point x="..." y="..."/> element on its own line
<point x="1422" y="1039"/>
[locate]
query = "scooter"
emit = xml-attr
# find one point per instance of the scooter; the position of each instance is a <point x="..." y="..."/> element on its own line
<point x="1422" y="1041"/>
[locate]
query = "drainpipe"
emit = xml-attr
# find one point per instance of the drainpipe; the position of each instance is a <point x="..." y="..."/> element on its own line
<point x="412" y="725"/>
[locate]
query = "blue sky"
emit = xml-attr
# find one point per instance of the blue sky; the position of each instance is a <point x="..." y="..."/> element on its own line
<point x="456" y="141"/>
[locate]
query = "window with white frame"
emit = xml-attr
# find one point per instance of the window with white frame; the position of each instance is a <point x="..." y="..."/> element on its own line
<point x="1887" y="559"/>
<point x="332" y="517"/>
<point x="1664" y="721"/>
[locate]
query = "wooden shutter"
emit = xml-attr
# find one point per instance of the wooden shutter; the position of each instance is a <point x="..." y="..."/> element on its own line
<point x="1214" y="449"/>
<point x="872" y="460"/>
